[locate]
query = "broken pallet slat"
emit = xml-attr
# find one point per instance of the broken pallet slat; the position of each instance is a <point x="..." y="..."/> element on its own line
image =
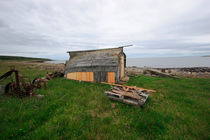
<point x="121" y="98"/>
<point x="127" y="94"/>
<point x="133" y="97"/>
<point x="131" y="87"/>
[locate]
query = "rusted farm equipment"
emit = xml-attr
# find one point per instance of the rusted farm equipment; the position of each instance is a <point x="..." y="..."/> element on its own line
<point x="19" y="87"/>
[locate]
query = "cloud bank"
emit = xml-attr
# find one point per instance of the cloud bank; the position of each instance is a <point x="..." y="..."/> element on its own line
<point x="49" y="28"/>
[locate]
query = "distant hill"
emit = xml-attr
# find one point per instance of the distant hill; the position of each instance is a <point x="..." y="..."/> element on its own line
<point x="22" y="58"/>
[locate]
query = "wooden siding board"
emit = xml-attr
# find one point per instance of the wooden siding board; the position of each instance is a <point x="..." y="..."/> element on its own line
<point x="81" y="76"/>
<point x="92" y="69"/>
<point x="122" y="67"/>
<point x="100" y="76"/>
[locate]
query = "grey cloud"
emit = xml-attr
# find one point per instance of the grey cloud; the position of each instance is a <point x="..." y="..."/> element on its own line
<point x="50" y="28"/>
<point x="192" y="27"/>
<point x="2" y="24"/>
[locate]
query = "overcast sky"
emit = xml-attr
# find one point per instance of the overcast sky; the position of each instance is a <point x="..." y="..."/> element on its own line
<point x="155" y="28"/>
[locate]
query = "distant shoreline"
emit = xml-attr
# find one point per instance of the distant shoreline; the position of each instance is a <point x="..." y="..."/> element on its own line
<point x="194" y="72"/>
<point x="21" y="58"/>
<point x="167" y="62"/>
<point x="169" y="68"/>
<point x="158" y="63"/>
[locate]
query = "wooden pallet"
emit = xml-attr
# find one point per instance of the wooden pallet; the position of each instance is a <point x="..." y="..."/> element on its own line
<point x="129" y="87"/>
<point x="127" y="99"/>
<point x="128" y="95"/>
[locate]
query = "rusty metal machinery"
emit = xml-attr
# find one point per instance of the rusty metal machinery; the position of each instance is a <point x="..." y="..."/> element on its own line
<point x="20" y="87"/>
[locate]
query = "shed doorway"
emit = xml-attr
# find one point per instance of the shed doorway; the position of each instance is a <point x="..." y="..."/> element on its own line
<point x="111" y="77"/>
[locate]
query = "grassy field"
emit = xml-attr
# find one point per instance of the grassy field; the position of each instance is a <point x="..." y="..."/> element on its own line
<point x="180" y="109"/>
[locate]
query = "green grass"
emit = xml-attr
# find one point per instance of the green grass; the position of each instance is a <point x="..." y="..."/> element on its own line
<point x="77" y="110"/>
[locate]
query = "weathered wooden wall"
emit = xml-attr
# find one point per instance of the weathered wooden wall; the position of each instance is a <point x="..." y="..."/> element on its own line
<point x="100" y="62"/>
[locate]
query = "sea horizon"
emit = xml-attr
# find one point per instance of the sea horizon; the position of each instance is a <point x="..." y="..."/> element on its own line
<point x="163" y="62"/>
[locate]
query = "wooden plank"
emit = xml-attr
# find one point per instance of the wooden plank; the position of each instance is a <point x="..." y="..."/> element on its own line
<point x="132" y="92"/>
<point x="108" y="77"/>
<point x="78" y="76"/>
<point x="71" y="75"/>
<point x="127" y="94"/>
<point x="132" y="87"/>
<point x="87" y="78"/>
<point x="122" y="67"/>
<point x="91" y="77"/>
<point x="81" y="76"/>
<point x="113" y="77"/>
<point x="84" y="78"/>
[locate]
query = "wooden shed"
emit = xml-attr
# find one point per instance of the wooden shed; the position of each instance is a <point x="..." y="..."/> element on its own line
<point x="103" y="65"/>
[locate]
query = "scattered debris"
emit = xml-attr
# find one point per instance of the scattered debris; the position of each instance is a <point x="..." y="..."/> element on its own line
<point x="159" y="73"/>
<point x="128" y="94"/>
<point x="55" y="74"/>
<point x="193" y="72"/>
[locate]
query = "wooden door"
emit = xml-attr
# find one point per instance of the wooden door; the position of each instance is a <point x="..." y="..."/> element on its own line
<point x="111" y="77"/>
<point x="100" y="76"/>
